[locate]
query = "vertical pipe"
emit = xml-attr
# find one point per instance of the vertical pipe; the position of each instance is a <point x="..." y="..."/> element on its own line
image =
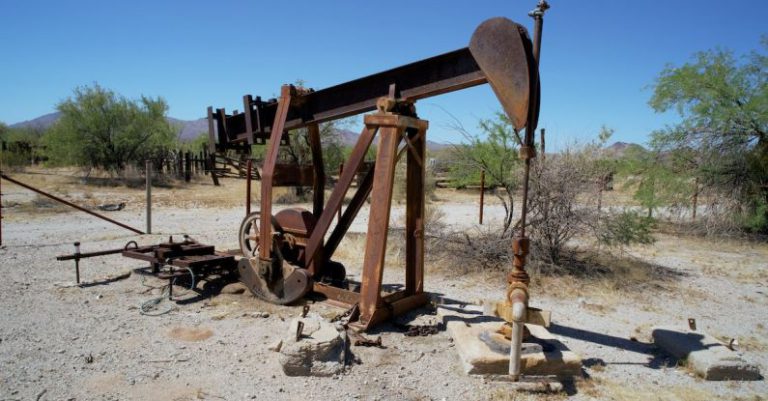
<point x="482" y="194"/>
<point x="543" y="145"/>
<point x="77" y="262"/>
<point x="518" y="279"/>
<point x="249" y="168"/>
<point x="341" y="170"/>
<point x="149" y="196"/>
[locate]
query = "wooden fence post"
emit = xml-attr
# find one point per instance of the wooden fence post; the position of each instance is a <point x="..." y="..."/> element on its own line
<point x="187" y="167"/>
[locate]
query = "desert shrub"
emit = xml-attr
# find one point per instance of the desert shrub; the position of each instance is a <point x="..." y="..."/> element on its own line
<point x="625" y="228"/>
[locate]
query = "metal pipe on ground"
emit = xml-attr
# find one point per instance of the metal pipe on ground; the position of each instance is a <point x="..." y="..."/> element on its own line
<point x="57" y="199"/>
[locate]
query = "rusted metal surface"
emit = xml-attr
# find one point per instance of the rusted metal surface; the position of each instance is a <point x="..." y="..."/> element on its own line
<point x="499" y="54"/>
<point x="430" y="77"/>
<point x="57" y="199"/>
<point x="502" y="49"/>
<point x="270" y="160"/>
<point x="191" y="257"/>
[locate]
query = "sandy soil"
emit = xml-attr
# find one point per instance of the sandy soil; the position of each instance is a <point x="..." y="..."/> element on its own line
<point x="69" y="343"/>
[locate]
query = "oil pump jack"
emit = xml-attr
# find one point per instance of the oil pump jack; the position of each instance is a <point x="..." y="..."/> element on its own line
<point x="289" y="253"/>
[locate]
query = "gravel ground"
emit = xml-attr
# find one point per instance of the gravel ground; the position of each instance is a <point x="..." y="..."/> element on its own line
<point x="69" y="343"/>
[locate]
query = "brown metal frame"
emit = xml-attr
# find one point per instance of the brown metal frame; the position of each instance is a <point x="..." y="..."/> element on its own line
<point x="500" y="53"/>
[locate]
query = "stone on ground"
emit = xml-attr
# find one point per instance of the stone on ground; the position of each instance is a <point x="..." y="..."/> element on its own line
<point x="318" y="352"/>
<point x="468" y="326"/>
<point x="704" y="354"/>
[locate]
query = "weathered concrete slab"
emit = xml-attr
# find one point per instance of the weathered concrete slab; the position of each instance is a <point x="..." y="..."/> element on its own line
<point x="485" y="352"/>
<point x="318" y="352"/>
<point x="704" y="354"/>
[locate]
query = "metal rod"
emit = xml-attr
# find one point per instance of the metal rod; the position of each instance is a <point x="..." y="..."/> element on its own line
<point x="77" y="262"/>
<point x="538" y="16"/>
<point x="341" y="170"/>
<point x="89" y="254"/>
<point x="249" y="168"/>
<point x="482" y="194"/>
<point x="149" y="196"/>
<point x="57" y="199"/>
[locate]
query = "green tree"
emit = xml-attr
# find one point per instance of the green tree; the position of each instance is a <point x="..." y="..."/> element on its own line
<point x="723" y="103"/>
<point x="101" y="129"/>
<point x="198" y="144"/>
<point x="495" y="152"/>
<point x="660" y="179"/>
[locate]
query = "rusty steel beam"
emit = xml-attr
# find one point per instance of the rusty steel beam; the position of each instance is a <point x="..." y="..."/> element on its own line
<point x="57" y="199"/>
<point x="437" y="75"/>
<point x="270" y="159"/>
<point x="378" y="222"/>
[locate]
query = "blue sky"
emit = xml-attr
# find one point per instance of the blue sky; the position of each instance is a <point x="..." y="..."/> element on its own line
<point x="598" y="57"/>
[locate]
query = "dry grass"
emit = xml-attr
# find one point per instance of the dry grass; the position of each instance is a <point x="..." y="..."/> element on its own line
<point x="606" y="389"/>
<point x="67" y="184"/>
<point x="351" y="251"/>
<point x="503" y="392"/>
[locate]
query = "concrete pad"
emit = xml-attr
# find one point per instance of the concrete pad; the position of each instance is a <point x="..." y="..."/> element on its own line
<point x="320" y="351"/>
<point x="704" y="354"/>
<point x="484" y="352"/>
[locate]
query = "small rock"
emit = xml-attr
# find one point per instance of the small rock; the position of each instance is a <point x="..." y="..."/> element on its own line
<point x="276" y="346"/>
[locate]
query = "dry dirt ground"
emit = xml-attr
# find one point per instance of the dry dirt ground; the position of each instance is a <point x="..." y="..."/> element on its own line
<point x="70" y="343"/>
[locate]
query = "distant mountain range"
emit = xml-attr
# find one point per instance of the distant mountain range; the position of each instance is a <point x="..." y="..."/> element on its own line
<point x="191" y="129"/>
<point x="188" y="129"/>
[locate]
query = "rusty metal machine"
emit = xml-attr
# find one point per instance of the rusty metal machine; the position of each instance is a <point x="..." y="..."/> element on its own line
<point x="289" y="253"/>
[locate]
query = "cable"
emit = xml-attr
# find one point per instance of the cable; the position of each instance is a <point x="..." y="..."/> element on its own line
<point x="150" y="307"/>
<point x="147" y="306"/>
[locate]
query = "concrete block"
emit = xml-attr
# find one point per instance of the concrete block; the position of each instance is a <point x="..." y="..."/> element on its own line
<point x="318" y="352"/>
<point x="485" y="352"/>
<point x="704" y="354"/>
